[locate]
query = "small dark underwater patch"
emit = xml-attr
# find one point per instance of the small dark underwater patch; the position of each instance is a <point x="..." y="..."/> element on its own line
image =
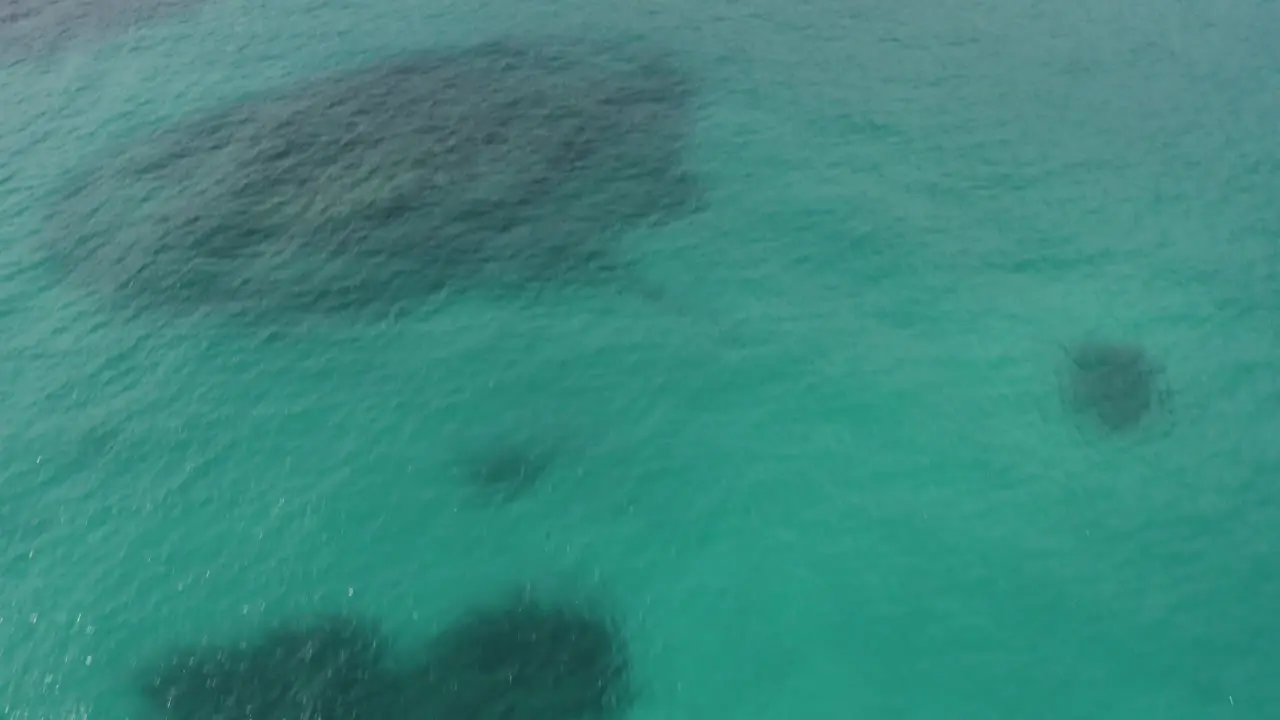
<point x="506" y="469"/>
<point x="1118" y="387"/>
<point x="508" y="164"/>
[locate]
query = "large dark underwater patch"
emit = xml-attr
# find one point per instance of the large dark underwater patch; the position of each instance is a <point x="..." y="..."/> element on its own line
<point x="515" y="657"/>
<point x="328" y="667"/>
<point x="522" y="658"/>
<point x="511" y="164"/>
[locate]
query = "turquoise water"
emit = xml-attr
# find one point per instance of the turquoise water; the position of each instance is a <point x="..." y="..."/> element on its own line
<point x="837" y="483"/>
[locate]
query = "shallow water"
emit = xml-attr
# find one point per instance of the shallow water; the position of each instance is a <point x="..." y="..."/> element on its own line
<point x="837" y="481"/>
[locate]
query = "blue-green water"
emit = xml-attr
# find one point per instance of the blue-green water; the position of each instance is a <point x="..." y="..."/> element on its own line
<point x="864" y="501"/>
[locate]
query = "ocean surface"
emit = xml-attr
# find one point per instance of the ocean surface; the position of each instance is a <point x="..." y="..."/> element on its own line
<point x="833" y="478"/>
